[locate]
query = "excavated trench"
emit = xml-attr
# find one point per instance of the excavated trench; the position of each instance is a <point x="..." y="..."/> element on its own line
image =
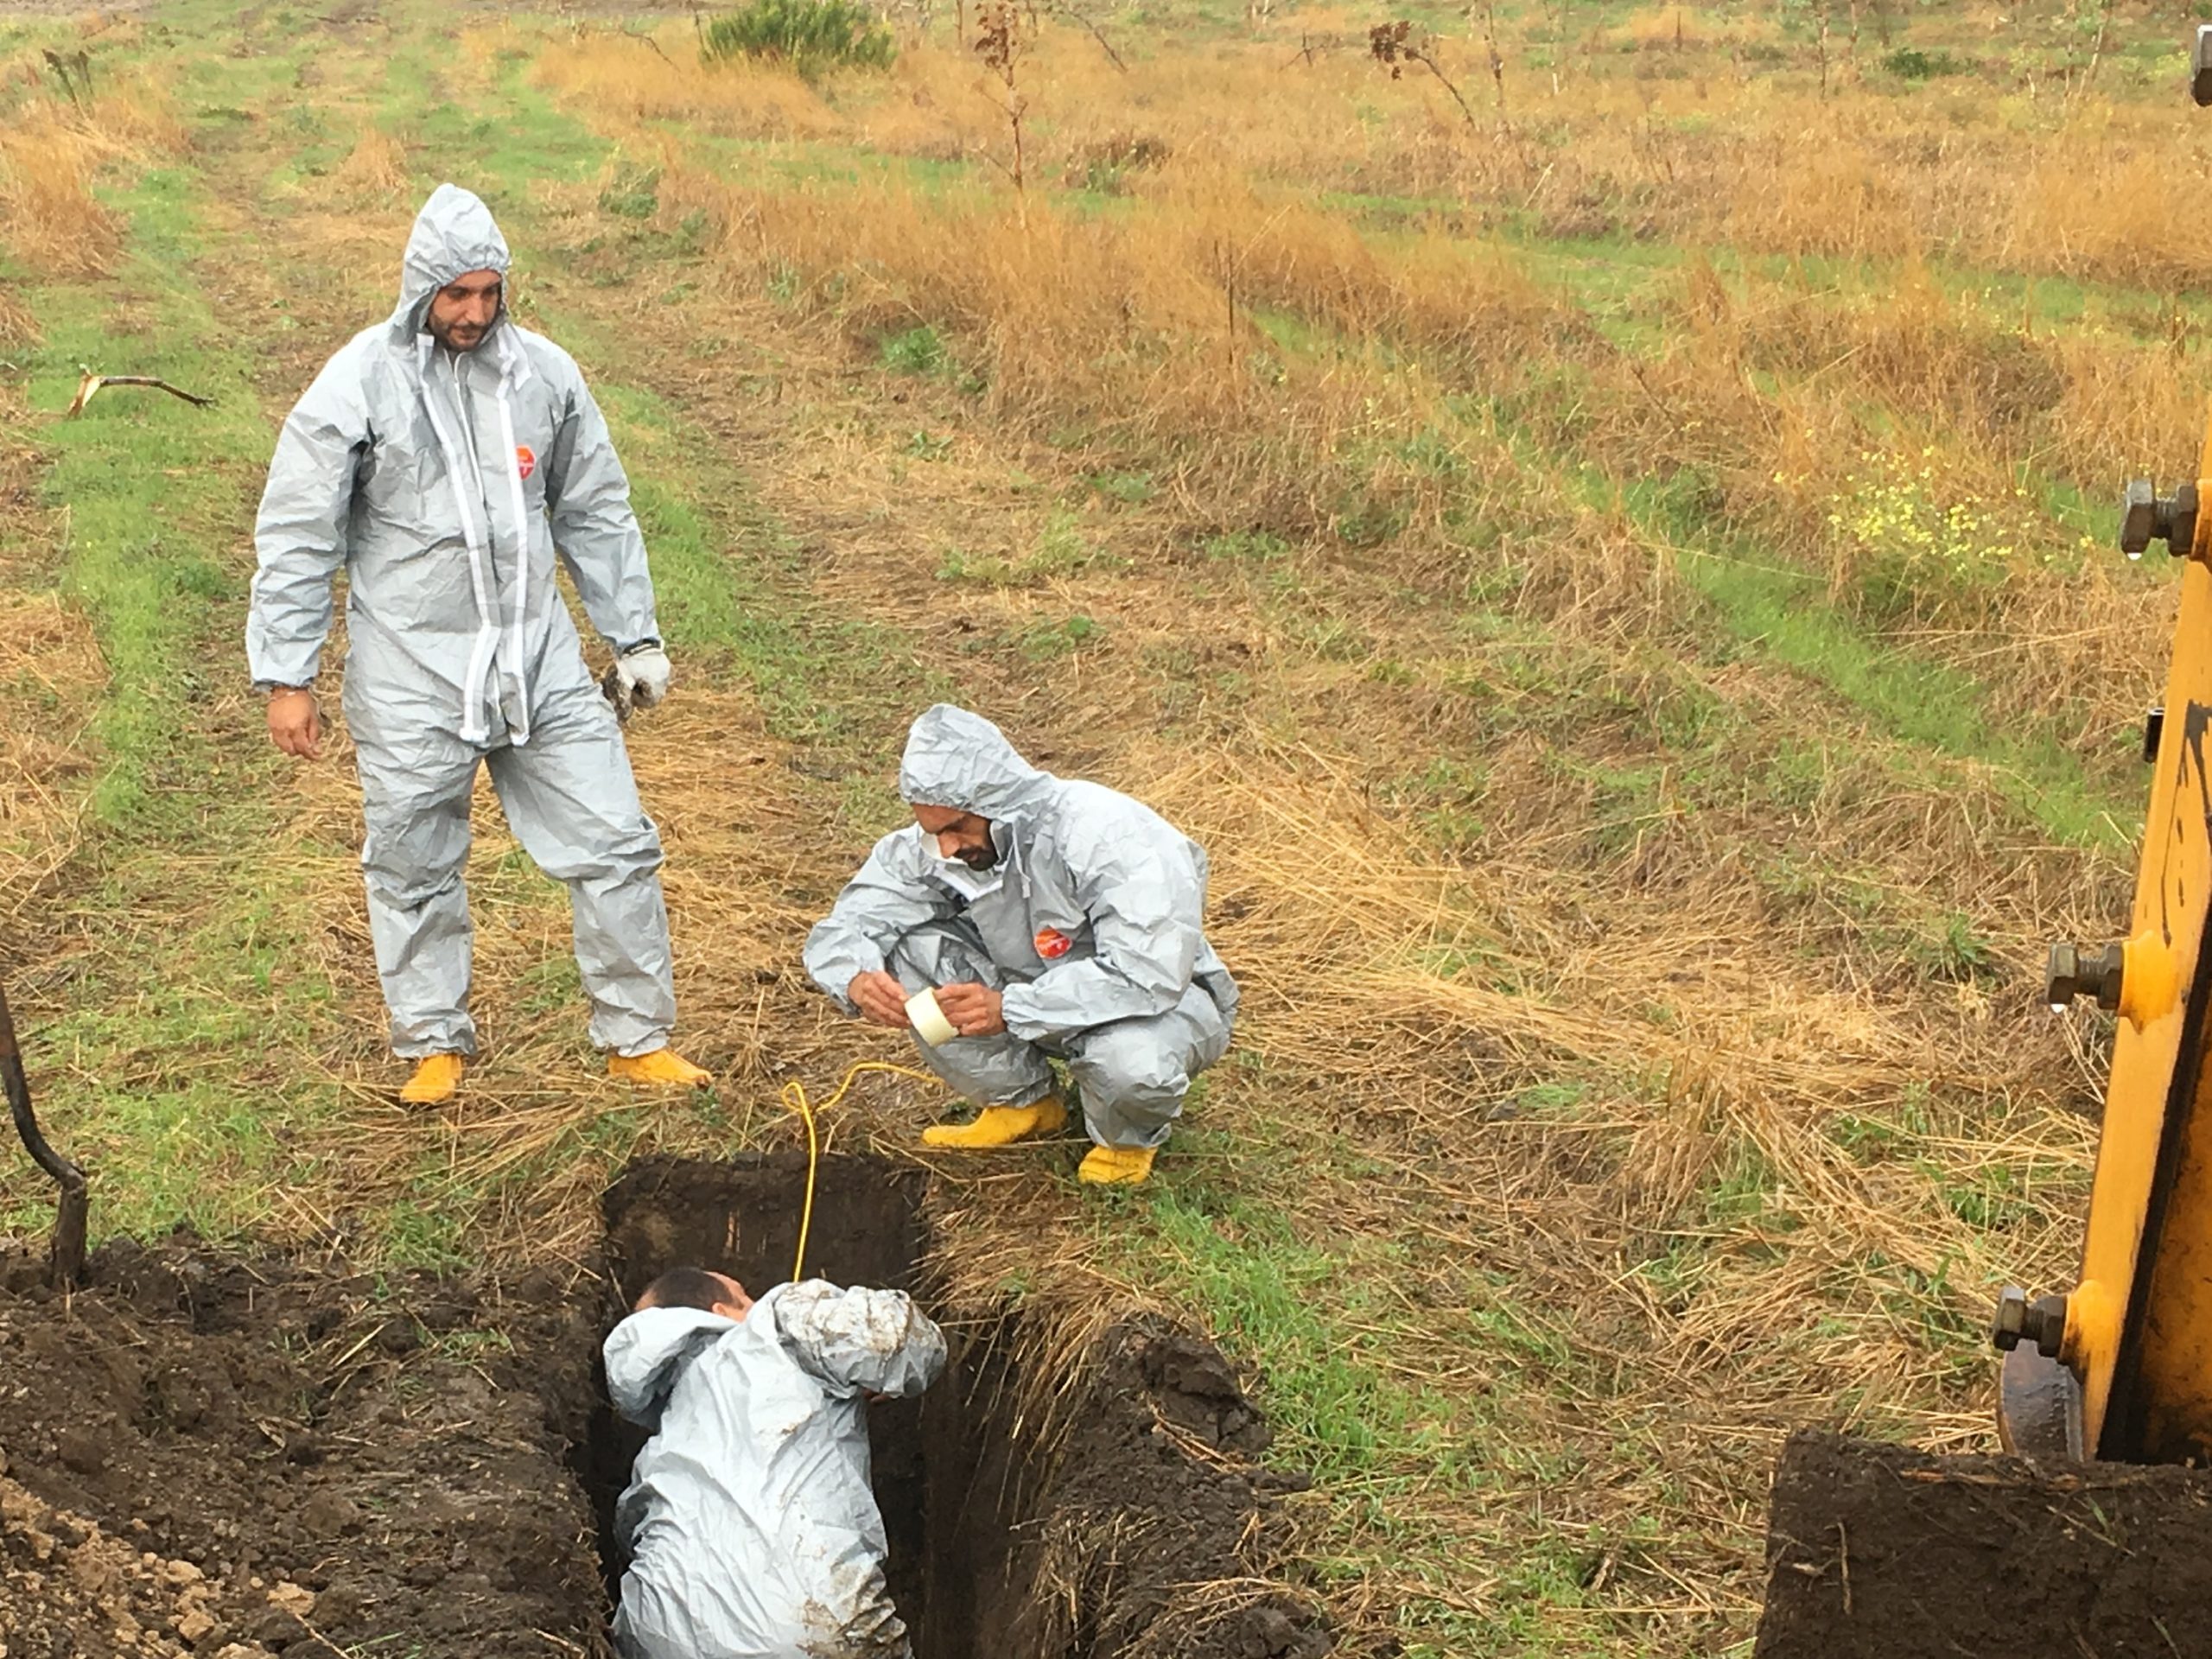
<point x="1006" y="1537"/>
<point x="203" y="1450"/>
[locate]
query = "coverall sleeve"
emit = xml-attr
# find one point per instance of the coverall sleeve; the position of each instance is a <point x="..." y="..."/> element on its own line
<point x="300" y="535"/>
<point x="594" y="530"/>
<point x="1144" y="906"/>
<point x="645" y="1351"/>
<point x="859" y="1341"/>
<point x="881" y="906"/>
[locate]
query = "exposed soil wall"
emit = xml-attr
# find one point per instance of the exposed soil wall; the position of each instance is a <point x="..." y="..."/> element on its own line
<point x="1878" y="1551"/>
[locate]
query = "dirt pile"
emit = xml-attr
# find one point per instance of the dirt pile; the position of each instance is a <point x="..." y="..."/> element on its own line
<point x="67" y="1587"/>
<point x="208" y="1452"/>
<point x="1881" y="1551"/>
<point x="1149" y="1530"/>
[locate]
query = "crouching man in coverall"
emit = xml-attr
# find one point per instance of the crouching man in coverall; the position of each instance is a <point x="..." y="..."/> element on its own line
<point x="442" y="459"/>
<point x="1055" y="918"/>
<point x="752" y="1530"/>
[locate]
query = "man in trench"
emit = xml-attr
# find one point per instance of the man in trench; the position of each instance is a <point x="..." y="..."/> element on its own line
<point x="751" y="1528"/>
<point x="1054" y="919"/>
<point x="442" y="460"/>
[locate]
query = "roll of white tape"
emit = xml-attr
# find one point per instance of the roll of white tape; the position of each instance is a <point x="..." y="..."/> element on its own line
<point x="928" y="1019"/>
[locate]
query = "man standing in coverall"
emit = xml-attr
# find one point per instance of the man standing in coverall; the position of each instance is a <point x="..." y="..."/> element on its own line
<point x="1055" y="920"/>
<point x="442" y="458"/>
<point x="751" y="1529"/>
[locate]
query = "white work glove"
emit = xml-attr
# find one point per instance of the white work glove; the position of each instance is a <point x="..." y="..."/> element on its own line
<point x="640" y="678"/>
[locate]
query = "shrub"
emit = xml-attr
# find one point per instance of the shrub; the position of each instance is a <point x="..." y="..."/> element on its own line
<point x="1910" y="63"/>
<point x="918" y="351"/>
<point x="629" y="191"/>
<point x="811" y="36"/>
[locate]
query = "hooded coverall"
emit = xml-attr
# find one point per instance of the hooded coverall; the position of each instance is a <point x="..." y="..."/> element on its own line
<point x="1091" y="925"/>
<point x="752" y="1530"/>
<point x="443" y="484"/>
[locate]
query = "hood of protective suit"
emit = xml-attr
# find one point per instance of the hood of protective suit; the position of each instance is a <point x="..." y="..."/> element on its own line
<point x="960" y="760"/>
<point x="453" y="234"/>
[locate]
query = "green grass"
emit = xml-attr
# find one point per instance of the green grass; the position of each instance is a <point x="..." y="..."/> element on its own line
<point x="164" y="1094"/>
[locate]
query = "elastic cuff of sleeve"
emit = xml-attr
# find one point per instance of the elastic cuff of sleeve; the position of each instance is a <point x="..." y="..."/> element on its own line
<point x="1029" y="1031"/>
<point x="650" y="642"/>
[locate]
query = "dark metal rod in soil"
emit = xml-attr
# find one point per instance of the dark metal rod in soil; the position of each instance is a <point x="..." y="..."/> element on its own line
<point x="65" y="1255"/>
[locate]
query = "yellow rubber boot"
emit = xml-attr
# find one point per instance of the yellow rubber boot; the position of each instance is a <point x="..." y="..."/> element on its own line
<point x="1001" y="1126"/>
<point x="663" y="1066"/>
<point x="436" y="1080"/>
<point x="1115" y="1166"/>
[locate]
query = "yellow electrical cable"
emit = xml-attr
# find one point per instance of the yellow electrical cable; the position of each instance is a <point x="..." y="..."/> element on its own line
<point x="795" y="1099"/>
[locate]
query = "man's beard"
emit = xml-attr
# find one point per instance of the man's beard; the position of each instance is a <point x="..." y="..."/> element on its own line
<point x="443" y="332"/>
<point x="979" y="858"/>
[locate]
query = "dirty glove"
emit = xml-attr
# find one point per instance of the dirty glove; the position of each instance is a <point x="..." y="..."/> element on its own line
<point x="638" y="679"/>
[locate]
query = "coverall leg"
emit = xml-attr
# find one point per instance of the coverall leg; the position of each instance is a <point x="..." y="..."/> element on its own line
<point x="570" y="799"/>
<point x="1134" y="1074"/>
<point x="414" y="808"/>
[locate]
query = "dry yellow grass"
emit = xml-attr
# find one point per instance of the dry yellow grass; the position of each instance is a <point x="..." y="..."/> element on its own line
<point x="51" y="673"/>
<point x="47" y="214"/>
<point x="17" y="326"/>
<point x="374" y="171"/>
<point x="1709" y="152"/>
<point x="1142" y="325"/>
<point x="50" y="155"/>
<point x="632" y="83"/>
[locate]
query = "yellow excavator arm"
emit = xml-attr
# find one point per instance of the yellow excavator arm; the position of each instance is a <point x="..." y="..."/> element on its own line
<point x="2120" y="1367"/>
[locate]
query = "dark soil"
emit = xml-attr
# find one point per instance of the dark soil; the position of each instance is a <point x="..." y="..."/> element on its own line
<point x="316" y="1458"/>
<point x="1875" y="1550"/>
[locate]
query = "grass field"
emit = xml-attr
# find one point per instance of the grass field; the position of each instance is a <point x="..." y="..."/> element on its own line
<point x="1611" y="554"/>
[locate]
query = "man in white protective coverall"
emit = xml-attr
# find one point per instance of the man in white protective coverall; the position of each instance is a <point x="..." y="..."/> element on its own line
<point x="1054" y="919"/>
<point x="750" y="1526"/>
<point x="442" y="458"/>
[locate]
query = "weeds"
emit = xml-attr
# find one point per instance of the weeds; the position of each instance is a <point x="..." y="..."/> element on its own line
<point x="1395" y="45"/>
<point x="47" y="214"/>
<point x="1910" y="63"/>
<point x="1001" y="44"/>
<point x="1907" y="552"/>
<point x="812" y="37"/>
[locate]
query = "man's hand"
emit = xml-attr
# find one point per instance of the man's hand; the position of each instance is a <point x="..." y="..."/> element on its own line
<point x="881" y="999"/>
<point x="295" y="723"/>
<point x="972" y="1009"/>
<point x="641" y="677"/>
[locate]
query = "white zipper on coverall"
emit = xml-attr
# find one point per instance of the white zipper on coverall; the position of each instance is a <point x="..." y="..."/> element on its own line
<point x="519" y="732"/>
<point x="474" y="728"/>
